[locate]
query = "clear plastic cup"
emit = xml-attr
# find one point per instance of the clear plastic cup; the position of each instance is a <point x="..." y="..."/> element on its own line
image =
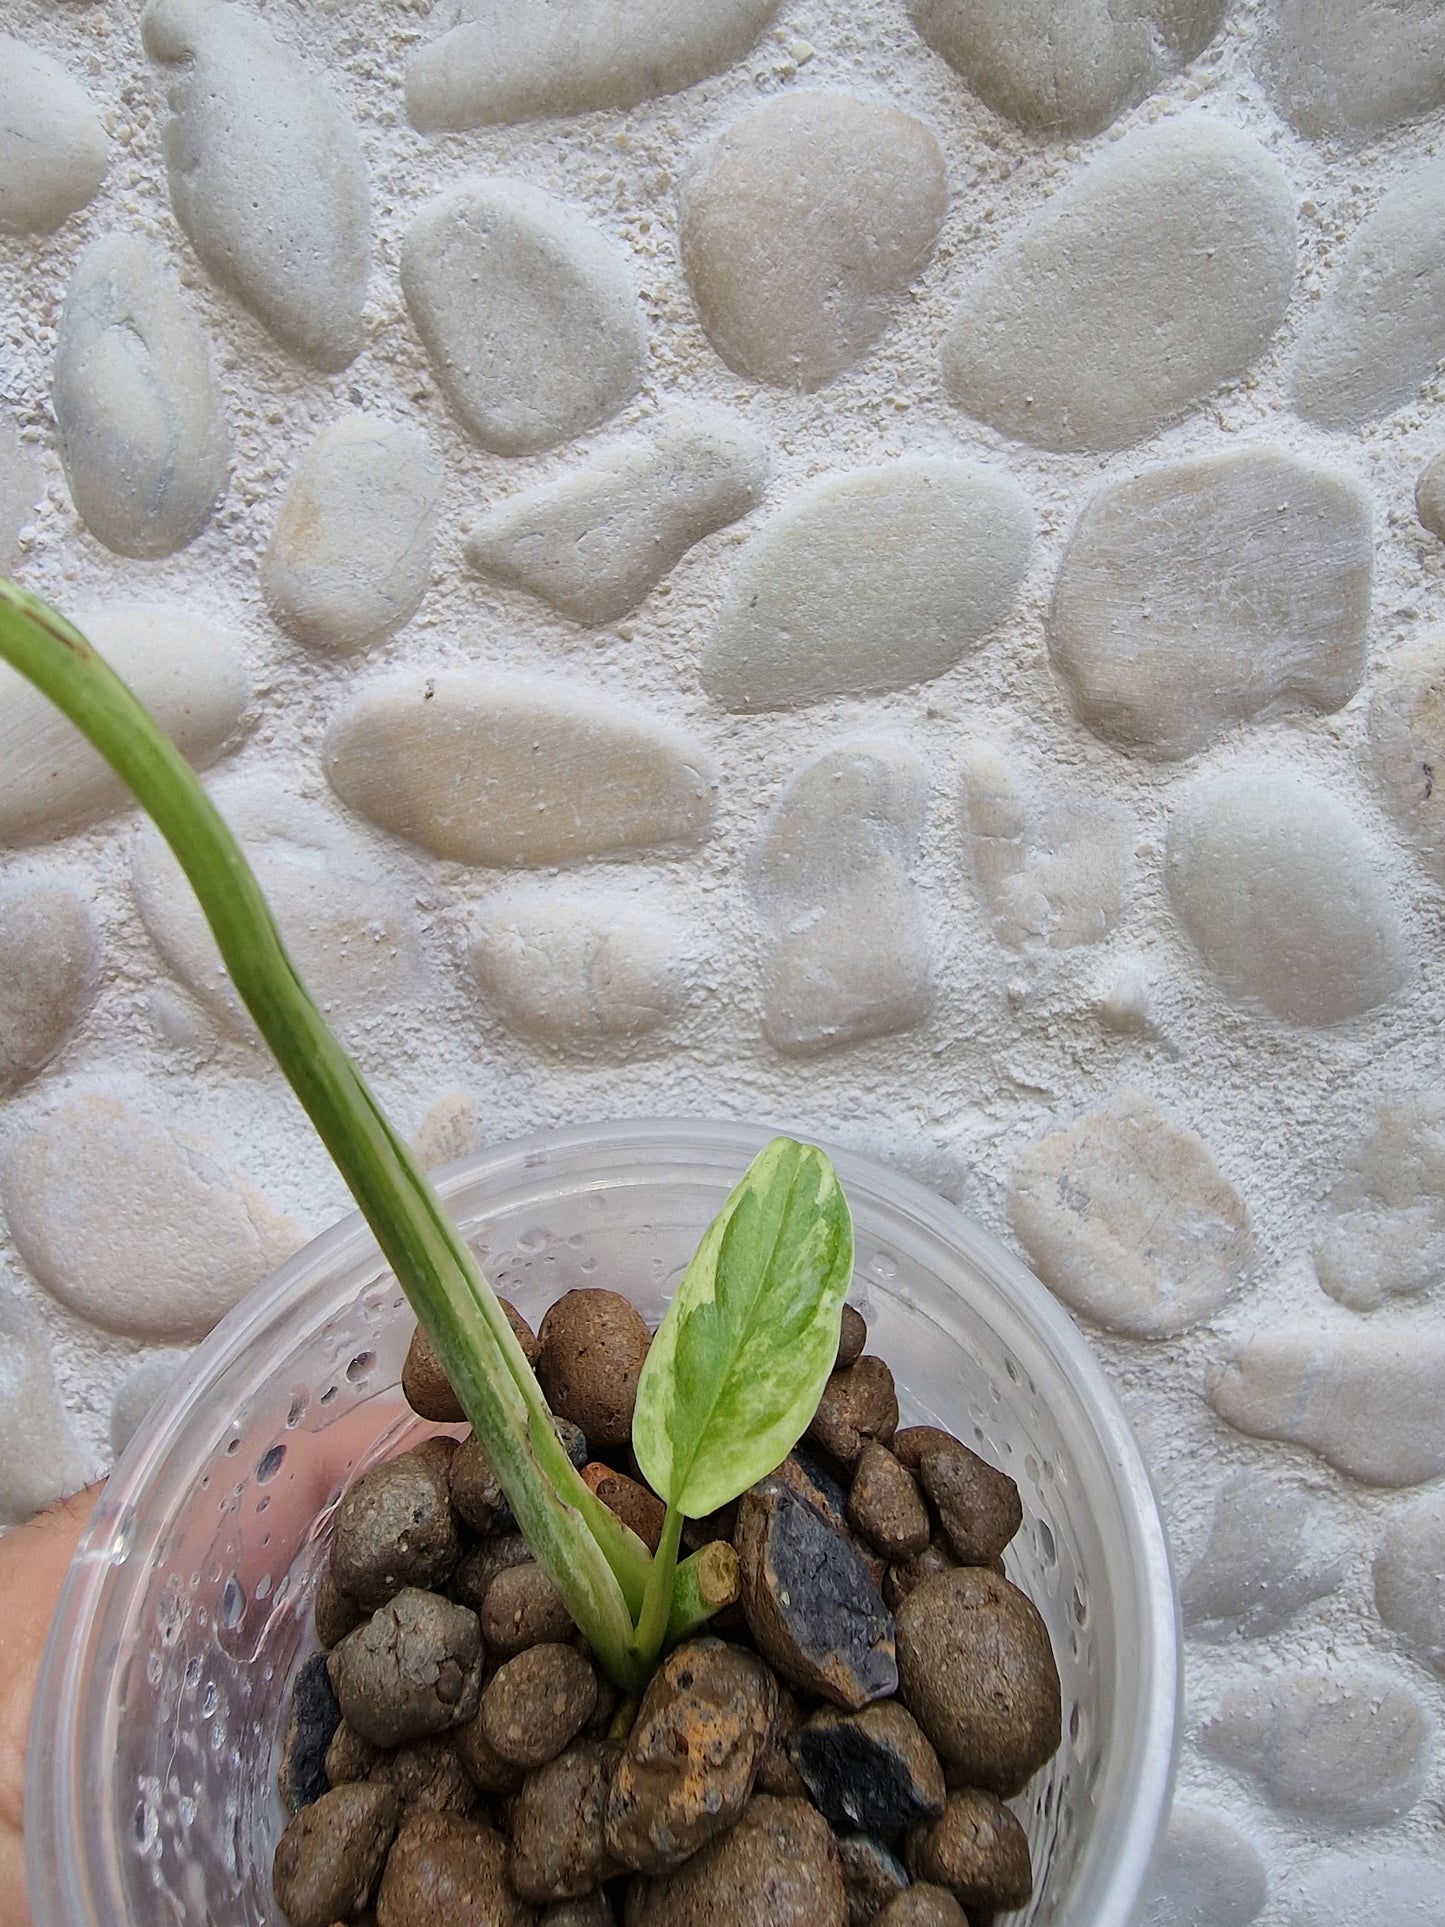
<point x="151" y="1788"/>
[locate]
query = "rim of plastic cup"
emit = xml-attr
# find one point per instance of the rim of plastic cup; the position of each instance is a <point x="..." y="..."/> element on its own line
<point x="55" y="1828"/>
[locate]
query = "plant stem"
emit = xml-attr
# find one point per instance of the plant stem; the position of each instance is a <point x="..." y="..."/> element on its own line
<point x="601" y="1570"/>
<point x="705" y="1583"/>
<point x="657" y="1601"/>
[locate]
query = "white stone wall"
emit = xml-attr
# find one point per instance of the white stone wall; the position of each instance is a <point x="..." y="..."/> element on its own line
<point x="880" y="589"/>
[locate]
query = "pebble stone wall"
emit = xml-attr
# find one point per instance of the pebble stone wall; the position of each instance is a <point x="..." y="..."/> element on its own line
<point x="876" y="566"/>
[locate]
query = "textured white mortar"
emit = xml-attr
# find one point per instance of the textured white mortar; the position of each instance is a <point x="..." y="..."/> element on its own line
<point x="1013" y="1041"/>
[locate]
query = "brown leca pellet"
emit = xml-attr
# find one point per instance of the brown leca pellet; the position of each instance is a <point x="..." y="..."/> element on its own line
<point x="886" y="1506"/>
<point x="412" y="1670"/>
<point x="475" y="1493"/>
<point x="533" y="1705"/>
<point x="430" y="1778"/>
<point x="444" y="1869"/>
<point x="908" y="1573"/>
<point x="394" y="1528"/>
<point x="350" y="1757"/>
<point x="425" y="1386"/>
<point x="330" y="1854"/>
<point x="480" y="1564"/>
<point x="485" y="1768"/>
<point x="978" y="1506"/>
<point x="590" y="1351"/>
<point x="635" y="1505"/>
<point x="776" y="1773"/>
<point x="857" y="1406"/>
<point x="852" y="1337"/>
<point x="335" y="1614"/>
<point x="922" y="1905"/>
<point x="559" y="1844"/>
<point x="523" y="1332"/>
<point x="976" y="1671"/>
<point x="523" y="1608"/>
<point x="977" y="1849"/>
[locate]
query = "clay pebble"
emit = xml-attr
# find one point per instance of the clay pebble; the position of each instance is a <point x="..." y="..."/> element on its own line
<point x="687" y="1768"/>
<point x="885" y="1505"/>
<point x="591" y="1347"/>
<point x="394" y="1528"/>
<point x="328" y="1859"/>
<point x="446" y="1868"/>
<point x="411" y="1670"/>
<point x="811" y="1604"/>
<point x="559" y="1821"/>
<point x="976" y="1670"/>
<point x="977" y="1849"/>
<point x="535" y="1703"/>
<point x="778" y="1867"/>
<point x="872" y="1771"/>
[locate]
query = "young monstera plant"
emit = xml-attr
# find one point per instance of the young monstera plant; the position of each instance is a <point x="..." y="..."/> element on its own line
<point x="736" y="1369"/>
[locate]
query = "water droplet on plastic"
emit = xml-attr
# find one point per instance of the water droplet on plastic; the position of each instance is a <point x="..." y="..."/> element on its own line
<point x="147" y="1826"/>
<point x="883" y="1264"/>
<point x="232" y="1608"/>
<point x="300" y="1404"/>
<point x="210" y="1699"/>
<point x="361" y="1367"/>
<point x="194" y="1670"/>
<point x="124" y="1538"/>
<point x="270" y="1464"/>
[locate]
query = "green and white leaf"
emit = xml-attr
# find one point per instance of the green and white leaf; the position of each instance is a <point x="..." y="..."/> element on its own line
<point x="738" y="1364"/>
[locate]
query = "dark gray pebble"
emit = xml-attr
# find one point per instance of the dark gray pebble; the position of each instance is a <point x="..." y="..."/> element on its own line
<point x="812" y="1606"/>
<point x="872" y="1771"/>
<point x="315" y="1717"/>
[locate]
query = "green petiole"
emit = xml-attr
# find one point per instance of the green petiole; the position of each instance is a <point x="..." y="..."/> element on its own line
<point x="598" y="1566"/>
<point x="736" y="1369"/>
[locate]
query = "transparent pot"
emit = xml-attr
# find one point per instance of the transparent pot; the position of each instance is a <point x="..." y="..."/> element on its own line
<point x="151" y="1791"/>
